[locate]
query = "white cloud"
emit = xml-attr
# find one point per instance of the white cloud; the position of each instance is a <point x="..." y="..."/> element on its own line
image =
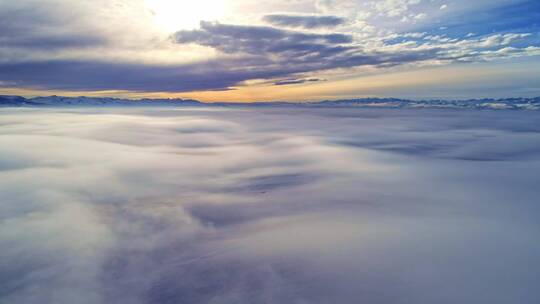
<point x="192" y="205"/>
<point x="420" y="16"/>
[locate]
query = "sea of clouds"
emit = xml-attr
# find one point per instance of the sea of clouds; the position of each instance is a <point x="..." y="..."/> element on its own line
<point x="290" y="205"/>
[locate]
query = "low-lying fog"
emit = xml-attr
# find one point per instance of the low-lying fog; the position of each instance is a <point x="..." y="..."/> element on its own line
<point x="132" y="206"/>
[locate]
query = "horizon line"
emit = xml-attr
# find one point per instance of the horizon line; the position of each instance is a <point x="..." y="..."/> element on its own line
<point x="30" y="97"/>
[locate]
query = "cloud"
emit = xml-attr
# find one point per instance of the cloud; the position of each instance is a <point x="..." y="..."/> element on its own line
<point x="213" y="75"/>
<point x="308" y="22"/>
<point x="93" y="75"/>
<point x="420" y="16"/>
<point x="394" y="8"/>
<point x="260" y="39"/>
<point x="304" y="205"/>
<point x="292" y="51"/>
<point x="296" y="81"/>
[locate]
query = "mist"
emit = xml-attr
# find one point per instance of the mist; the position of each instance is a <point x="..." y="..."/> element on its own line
<point x="273" y="205"/>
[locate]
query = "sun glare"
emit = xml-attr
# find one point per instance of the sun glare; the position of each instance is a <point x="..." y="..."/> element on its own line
<point x="173" y="15"/>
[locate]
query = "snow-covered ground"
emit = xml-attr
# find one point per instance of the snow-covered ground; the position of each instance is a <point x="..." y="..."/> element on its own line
<point x="269" y="205"/>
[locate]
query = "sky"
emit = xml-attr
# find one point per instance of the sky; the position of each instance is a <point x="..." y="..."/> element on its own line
<point x="240" y="50"/>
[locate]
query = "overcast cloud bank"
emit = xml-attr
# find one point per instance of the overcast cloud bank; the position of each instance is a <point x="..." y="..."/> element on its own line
<point x="211" y="205"/>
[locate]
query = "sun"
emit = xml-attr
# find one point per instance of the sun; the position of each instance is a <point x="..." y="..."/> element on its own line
<point x="173" y="15"/>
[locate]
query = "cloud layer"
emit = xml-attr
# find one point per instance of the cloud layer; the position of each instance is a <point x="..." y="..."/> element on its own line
<point x="268" y="206"/>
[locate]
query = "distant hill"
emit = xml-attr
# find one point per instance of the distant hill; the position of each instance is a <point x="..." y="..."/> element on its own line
<point x="92" y="101"/>
<point x="59" y="101"/>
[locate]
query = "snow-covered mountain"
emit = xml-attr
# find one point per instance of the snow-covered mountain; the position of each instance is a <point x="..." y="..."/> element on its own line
<point x="59" y="101"/>
<point x="95" y="101"/>
<point x="15" y="101"/>
<point x="499" y="104"/>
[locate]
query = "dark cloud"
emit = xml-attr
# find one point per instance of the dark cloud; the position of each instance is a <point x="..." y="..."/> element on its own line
<point x="92" y="75"/>
<point x="259" y="39"/>
<point x="296" y="81"/>
<point x="50" y="41"/>
<point x="308" y="22"/>
<point x="103" y="76"/>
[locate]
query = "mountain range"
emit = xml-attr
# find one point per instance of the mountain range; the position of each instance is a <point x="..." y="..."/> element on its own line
<point x="519" y="103"/>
